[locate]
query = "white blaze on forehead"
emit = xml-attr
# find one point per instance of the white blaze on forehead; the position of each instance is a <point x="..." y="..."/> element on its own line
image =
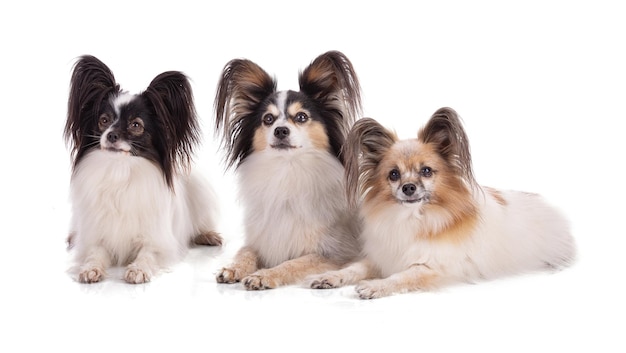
<point x="281" y="102"/>
<point x="121" y="100"/>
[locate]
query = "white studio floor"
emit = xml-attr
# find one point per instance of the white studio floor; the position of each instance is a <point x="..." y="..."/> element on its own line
<point x="540" y="89"/>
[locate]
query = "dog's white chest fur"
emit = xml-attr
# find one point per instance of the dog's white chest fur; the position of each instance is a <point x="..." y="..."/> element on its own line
<point x="291" y="200"/>
<point x="122" y="203"/>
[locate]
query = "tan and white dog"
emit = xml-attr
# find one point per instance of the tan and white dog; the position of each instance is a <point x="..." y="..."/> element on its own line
<point x="428" y="223"/>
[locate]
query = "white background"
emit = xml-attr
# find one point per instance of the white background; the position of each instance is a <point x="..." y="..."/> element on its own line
<point x="540" y="86"/>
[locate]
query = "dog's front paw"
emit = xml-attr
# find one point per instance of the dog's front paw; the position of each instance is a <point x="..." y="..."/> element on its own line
<point x="326" y="281"/>
<point x="228" y="275"/>
<point x="136" y="275"/>
<point x="371" y="289"/>
<point x="259" y="281"/>
<point x="91" y="275"/>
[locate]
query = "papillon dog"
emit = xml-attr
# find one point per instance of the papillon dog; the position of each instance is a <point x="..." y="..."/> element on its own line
<point x="134" y="200"/>
<point x="426" y="221"/>
<point x="286" y="147"/>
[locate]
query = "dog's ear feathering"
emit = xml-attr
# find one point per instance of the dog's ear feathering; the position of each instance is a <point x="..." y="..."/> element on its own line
<point x="331" y="80"/>
<point x="365" y="146"/>
<point x="242" y="87"/>
<point x="331" y="77"/>
<point x="171" y="98"/>
<point x="92" y="82"/>
<point x="445" y="131"/>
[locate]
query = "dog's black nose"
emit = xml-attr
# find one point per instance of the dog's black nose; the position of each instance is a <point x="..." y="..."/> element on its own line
<point x="409" y="189"/>
<point x="281" y="132"/>
<point x="113" y="137"/>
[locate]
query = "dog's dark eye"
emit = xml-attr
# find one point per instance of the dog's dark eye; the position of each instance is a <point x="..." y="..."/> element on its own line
<point x="301" y="118"/>
<point x="268" y="119"/>
<point x="135" y="127"/>
<point x="104" y="121"/>
<point x="426" y="172"/>
<point x="394" y="175"/>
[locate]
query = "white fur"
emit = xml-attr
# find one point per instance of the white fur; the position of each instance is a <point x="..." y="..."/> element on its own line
<point x="292" y="201"/>
<point x="525" y="234"/>
<point x="124" y="212"/>
<point x="118" y="101"/>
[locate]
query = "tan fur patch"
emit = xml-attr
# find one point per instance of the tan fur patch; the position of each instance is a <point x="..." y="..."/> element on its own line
<point x="497" y="195"/>
<point x="252" y="75"/>
<point x="317" y="135"/>
<point x="273" y="109"/>
<point x="318" y="72"/>
<point x="296" y="107"/>
<point x="259" y="142"/>
<point x="459" y="230"/>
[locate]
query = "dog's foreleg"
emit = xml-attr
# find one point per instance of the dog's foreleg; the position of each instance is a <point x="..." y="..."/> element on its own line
<point x="143" y="268"/>
<point x="289" y="272"/>
<point x="416" y="277"/>
<point x="348" y="275"/>
<point x="94" y="266"/>
<point x="245" y="263"/>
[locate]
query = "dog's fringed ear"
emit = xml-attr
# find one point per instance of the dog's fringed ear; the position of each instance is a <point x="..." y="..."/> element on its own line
<point x="171" y="97"/>
<point x="445" y="131"/>
<point x="331" y="76"/>
<point x="365" y="147"/>
<point x="91" y="84"/>
<point x="332" y="81"/>
<point x="243" y="86"/>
